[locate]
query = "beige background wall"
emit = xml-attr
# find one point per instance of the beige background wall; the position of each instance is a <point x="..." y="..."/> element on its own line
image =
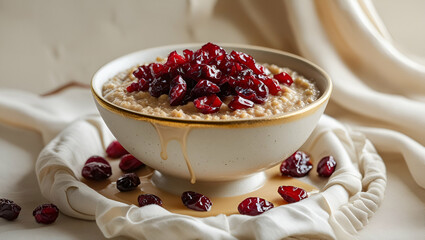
<point x="46" y="43"/>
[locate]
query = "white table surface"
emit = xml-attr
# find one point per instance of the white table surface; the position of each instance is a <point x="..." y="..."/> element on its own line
<point x="44" y="44"/>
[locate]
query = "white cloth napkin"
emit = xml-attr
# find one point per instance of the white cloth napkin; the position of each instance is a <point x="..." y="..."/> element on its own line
<point x="347" y="200"/>
<point x="343" y="207"/>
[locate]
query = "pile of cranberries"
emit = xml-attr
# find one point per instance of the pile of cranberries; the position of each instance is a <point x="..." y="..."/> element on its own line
<point x="208" y="75"/>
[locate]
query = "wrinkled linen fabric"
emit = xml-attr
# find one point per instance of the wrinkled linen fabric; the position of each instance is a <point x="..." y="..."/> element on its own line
<point x="371" y="77"/>
<point x="348" y="199"/>
<point x="46" y="115"/>
<point x="376" y="86"/>
<point x="369" y="104"/>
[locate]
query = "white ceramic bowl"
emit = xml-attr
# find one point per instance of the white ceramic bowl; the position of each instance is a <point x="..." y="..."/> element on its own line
<point x="224" y="157"/>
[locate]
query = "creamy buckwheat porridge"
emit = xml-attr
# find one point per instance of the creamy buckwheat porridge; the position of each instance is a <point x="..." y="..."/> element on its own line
<point x="210" y="84"/>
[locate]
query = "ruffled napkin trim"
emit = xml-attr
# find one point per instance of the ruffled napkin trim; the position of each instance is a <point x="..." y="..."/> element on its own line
<point x="346" y="201"/>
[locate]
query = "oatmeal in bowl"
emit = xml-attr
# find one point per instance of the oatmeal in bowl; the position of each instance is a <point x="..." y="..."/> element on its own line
<point x="201" y="114"/>
<point x="174" y="86"/>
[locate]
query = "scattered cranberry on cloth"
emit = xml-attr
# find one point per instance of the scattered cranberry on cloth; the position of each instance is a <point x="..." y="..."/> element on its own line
<point x="344" y="203"/>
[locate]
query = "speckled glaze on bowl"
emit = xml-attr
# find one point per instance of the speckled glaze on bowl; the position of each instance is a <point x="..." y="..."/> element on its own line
<point x="222" y="157"/>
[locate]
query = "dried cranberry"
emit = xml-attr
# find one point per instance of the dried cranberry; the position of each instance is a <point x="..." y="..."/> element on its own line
<point x="254" y="206"/>
<point x="46" y="213"/>
<point x="243" y="58"/>
<point x="256" y="68"/>
<point x="9" y="210"/>
<point x="297" y="165"/>
<point x="246" y="93"/>
<point x="128" y="182"/>
<point x="251" y="88"/>
<point x="140" y="85"/>
<point x="326" y="166"/>
<point x="246" y="73"/>
<point x="98" y="159"/>
<point x="211" y="73"/>
<point x="156" y="69"/>
<point x="292" y="194"/>
<point x="115" y="150"/>
<point x="192" y="71"/>
<point x="272" y="85"/>
<point x="236" y="68"/>
<point x="261" y="92"/>
<point x="208" y="53"/>
<point x="225" y="89"/>
<point x="96" y="168"/>
<point x="227" y="66"/>
<point x="261" y="69"/>
<point x="208" y="104"/>
<point x="133" y="87"/>
<point x="129" y="163"/>
<point x="213" y="50"/>
<point x="196" y="201"/>
<point x="284" y="78"/>
<point x="158" y="86"/>
<point x="249" y="61"/>
<point x="175" y="59"/>
<point x="216" y="61"/>
<point x="205" y="87"/>
<point x="240" y="103"/>
<point x="188" y="55"/>
<point x="177" y="91"/>
<point x="147" y="199"/>
<point x="166" y="74"/>
<point x="201" y="57"/>
<point x="143" y="72"/>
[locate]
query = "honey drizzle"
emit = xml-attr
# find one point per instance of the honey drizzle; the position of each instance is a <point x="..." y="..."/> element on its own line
<point x="173" y="203"/>
<point x="166" y="134"/>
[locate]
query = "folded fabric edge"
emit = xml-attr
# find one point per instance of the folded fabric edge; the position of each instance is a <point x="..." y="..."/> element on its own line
<point x="349" y="218"/>
<point x="74" y="193"/>
<point x="392" y="141"/>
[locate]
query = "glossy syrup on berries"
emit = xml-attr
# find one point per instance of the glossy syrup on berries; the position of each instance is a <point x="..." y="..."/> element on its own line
<point x="196" y="201"/>
<point x="200" y="75"/>
<point x="148" y="199"/>
<point x="129" y="163"/>
<point x="292" y="194"/>
<point x="254" y="206"/>
<point x="115" y="150"/>
<point x="296" y="165"/>
<point x="128" y="182"/>
<point x="326" y="166"/>
<point x="96" y="168"/>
